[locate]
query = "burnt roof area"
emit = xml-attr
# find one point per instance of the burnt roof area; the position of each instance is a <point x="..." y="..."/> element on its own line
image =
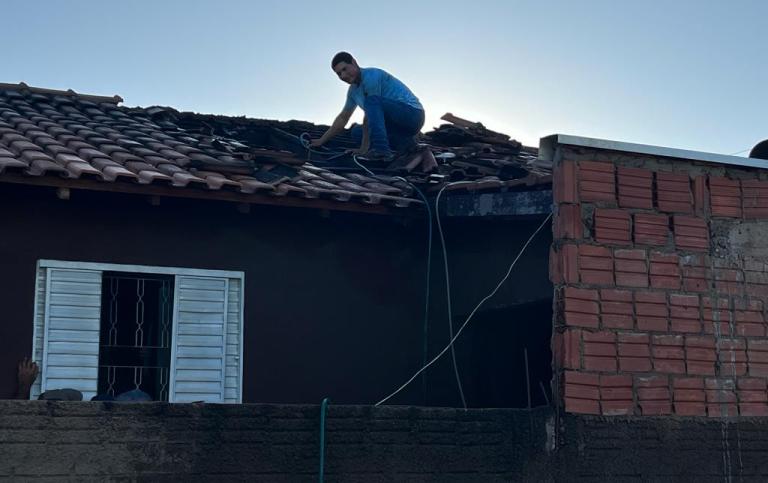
<point x="62" y="138"/>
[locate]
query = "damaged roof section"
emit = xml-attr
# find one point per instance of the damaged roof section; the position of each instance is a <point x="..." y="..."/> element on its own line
<point x="47" y="134"/>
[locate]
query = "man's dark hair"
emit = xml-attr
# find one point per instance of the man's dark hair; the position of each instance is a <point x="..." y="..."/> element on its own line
<point x="342" y="57"/>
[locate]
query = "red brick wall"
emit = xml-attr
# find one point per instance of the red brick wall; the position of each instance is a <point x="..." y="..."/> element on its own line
<point x="661" y="277"/>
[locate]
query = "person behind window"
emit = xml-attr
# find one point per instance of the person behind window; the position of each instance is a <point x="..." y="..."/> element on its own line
<point x="27" y="372"/>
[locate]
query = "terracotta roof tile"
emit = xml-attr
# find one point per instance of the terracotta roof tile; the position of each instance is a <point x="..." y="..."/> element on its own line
<point x="65" y="159"/>
<point x="322" y="184"/>
<point x="252" y="185"/>
<point x="216" y="181"/>
<point x="150" y="176"/>
<point x="42" y="167"/>
<point x="56" y="149"/>
<point x="11" y="164"/>
<point x="82" y="169"/>
<point x="115" y="172"/>
<point x="31" y="156"/>
<point x="184" y="179"/>
<point x="350" y="186"/>
<point x="137" y="166"/>
<point x="286" y="189"/>
<point x="90" y="153"/>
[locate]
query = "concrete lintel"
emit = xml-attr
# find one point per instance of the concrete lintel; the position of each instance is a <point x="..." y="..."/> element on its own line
<point x="510" y="203"/>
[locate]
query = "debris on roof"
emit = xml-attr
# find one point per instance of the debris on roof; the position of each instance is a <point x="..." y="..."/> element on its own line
<point x="63" y="134"/>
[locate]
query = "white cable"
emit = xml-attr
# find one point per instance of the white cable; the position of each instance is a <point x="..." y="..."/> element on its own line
<point x="354" y="158"/>
<point x="458" y="333"/>
<point x="448" y="295"/>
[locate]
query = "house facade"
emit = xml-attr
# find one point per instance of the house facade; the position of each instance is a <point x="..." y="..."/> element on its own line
<point x="628" y="343"/>
<point x="142" y="255"/>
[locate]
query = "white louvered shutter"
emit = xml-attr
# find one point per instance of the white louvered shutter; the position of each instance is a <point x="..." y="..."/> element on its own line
<point x="71" y="322"/>
<point x="234" y="360"/>
<point x="198" y="356"/>
<point x="39" y="327"/>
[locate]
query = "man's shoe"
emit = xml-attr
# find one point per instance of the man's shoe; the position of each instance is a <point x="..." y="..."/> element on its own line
<point x="377" y="156"/>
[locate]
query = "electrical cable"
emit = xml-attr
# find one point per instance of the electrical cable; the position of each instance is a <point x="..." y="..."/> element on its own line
<point x="304" y="138"/>
<point x="429" y="269"/>
<point x="448" y="295"/>
<point x="427" y="290"/>
<point x="469" y="318"/>
<point x="429" y="261"/>
<point x="354" y="158"/>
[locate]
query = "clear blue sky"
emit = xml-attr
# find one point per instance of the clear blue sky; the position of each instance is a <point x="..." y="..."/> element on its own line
<point x="687" y="74"/>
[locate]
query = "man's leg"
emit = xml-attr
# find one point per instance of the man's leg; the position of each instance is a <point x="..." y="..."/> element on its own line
<point x="400" y="140"/>
<point x="356" y="133"/>
<point x="391" y="121"/>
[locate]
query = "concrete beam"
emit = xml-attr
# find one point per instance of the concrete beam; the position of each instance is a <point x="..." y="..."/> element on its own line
<point x="510" y="203"/>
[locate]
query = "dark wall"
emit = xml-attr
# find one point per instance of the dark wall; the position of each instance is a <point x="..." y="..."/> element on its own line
<point x="334" y="303"/>
<point x="663" y="449"/>
<point x="86" y="441"/>
<point x="490" y="352"/>
<point x="56" y="441"/>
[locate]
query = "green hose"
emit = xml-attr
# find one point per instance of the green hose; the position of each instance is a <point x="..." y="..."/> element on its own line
<point x="323" y="410"/>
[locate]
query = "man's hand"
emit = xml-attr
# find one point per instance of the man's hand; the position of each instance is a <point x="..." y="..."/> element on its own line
<point x="356" y="152"/>
<point x="315" y="143"/>
<point x="27" y="373"/>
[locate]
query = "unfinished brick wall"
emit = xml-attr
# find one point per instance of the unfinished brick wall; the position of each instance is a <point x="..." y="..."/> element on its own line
<point x="661" y="272"/>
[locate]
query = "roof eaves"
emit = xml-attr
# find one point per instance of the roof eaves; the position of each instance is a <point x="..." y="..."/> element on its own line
<point x="393" y="208"/>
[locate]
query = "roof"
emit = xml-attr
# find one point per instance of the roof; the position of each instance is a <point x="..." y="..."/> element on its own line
<point x="62" y="138"/>
<point x="549" y="144"/>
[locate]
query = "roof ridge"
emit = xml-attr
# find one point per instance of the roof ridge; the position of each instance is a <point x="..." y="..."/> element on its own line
<point x="23" y="86"/>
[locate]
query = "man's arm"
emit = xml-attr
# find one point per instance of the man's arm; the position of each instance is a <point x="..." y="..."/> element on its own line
<point x="338" y="125"/>
<point x="365" y="144"/>
<point x="27" y="373"/>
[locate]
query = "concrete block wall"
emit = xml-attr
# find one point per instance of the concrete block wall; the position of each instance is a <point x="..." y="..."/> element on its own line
<point x="661" y="275"/>
<point x="101" y="441"/>
<point x="49" y="441"/>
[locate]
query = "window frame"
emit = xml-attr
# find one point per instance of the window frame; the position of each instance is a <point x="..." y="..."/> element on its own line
<point x="160" y="270"/>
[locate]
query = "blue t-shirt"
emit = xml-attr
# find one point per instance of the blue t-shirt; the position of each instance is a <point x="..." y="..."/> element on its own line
<point x="376" y="82"/>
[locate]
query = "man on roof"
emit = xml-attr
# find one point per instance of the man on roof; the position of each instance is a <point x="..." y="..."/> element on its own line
<point x="393" y="115"/>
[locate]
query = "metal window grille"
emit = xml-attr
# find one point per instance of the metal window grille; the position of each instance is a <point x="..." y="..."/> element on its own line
<point x="135" y="334"/>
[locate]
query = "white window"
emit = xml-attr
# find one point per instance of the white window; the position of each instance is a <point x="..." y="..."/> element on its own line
<point x="173" y="333"/>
